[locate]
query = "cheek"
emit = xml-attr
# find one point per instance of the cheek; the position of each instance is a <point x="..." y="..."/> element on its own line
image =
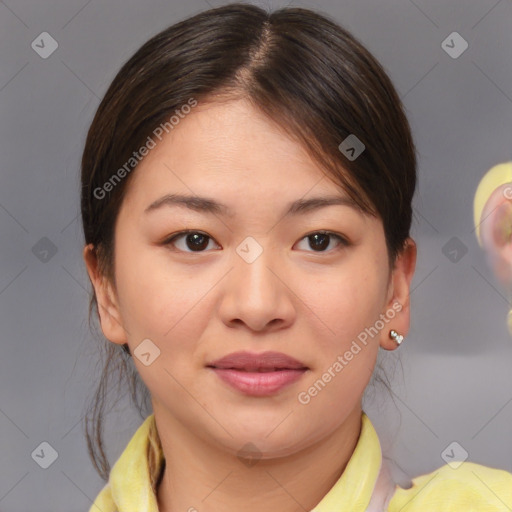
<point x="157" y="302"/>
<point x="169" y="308"/>
<point x="346" y="307"/>
<point x="346" y="302"/>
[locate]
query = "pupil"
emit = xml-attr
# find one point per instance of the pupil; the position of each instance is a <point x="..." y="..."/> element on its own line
<point x="199" y="241"/>
<point x="323" y="238"/>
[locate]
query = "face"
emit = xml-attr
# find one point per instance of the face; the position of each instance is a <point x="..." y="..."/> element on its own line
<point x="311" y="283"/>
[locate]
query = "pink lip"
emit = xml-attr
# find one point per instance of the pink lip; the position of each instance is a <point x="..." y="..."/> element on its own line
<point x="259" y="383"/>
<point x="258" y="374"/>
<point x="263" y="361"/>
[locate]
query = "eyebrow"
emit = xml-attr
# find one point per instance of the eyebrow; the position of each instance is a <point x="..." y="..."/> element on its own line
<point x="208" y="205"/>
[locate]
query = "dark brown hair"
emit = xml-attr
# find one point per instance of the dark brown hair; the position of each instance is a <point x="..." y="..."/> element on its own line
<point x="305" y="72"/>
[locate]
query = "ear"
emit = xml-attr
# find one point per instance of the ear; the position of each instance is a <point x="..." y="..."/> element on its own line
<point x="496" y="233"/>
<point x="398" y="302"/>
<point x="108" y="308"/>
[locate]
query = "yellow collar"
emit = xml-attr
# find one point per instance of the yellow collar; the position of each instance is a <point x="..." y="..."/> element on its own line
<point x="132" y="487"/>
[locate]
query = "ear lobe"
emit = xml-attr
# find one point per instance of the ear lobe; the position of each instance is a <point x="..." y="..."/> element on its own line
<point x="108" y="309"/>
<point x="398" y="305"/>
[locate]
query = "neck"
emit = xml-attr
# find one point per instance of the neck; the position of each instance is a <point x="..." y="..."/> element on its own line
<point x="199" y="476"/>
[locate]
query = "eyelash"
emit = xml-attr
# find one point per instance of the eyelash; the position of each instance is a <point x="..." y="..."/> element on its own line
<point x="342" y="240"/>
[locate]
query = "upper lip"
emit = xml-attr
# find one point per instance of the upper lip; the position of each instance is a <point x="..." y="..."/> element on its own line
<point x="263" y="361"/>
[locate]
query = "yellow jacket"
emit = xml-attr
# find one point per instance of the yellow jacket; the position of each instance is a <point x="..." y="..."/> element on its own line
<point x="364" y="486"/>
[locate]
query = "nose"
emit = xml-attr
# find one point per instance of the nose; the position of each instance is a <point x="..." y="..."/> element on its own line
<point x="258" y="293"/>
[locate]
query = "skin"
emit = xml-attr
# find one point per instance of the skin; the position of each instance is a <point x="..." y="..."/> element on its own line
<point x="308" y="301"/>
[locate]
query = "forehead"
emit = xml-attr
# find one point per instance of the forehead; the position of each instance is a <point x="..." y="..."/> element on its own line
<point x="229" y="149"/>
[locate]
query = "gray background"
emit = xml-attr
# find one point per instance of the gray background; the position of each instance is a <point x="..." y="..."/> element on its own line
<point x="457" y="383"/>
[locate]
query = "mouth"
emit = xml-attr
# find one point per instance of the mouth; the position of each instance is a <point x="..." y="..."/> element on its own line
<point x="258" y="374"/>
<point x="254" y="362"/>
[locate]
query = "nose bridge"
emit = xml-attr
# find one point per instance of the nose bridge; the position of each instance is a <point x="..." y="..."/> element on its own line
<point x="252" y="262"/>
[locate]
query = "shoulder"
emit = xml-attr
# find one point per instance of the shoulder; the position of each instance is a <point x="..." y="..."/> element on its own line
<point x="469" y="487"/>
<point x="104" y="501"/>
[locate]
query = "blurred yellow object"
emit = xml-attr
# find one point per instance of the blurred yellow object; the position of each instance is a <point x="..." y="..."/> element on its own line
<point x="493" y="178"/>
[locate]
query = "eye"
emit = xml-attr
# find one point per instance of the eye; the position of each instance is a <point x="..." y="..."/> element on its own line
<point x="321" y="239"/>
<point x="194" y="240"/>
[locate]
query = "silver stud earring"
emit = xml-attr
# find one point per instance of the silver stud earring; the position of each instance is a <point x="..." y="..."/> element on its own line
<point x="397" y="337"/>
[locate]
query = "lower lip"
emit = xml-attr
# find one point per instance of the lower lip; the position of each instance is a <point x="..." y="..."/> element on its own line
<point x="258" y="383"/>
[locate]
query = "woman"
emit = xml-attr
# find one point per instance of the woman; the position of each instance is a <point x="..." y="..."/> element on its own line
<point x="246" y="203"/>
